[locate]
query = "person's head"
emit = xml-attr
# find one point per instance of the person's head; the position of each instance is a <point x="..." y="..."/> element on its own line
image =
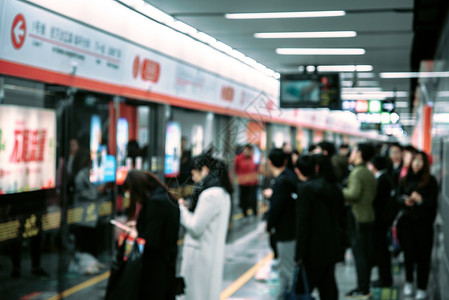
<point x="311" y="149"/>
<point x="324" y="168"/>
<point x="327" y="148"/>
<point x="74" y="146"/>
<point x="140" y="186"/>
<point x="294" y="156"/>
<point x="419" y="166"/>
<point x="395" y="154"/>
<point x="344" y="149"/>
<point x="277" y="159"/>
<point x="183" y="142"/>
<point x="407" y="155"/>
<point x="361" y="154"/>
<point x="205" y="164"/>
<point x="248" y="150"/>
<point x="81" y="160"/>
<point x="286" y="147"/>
<point x="379" y="162"/>
<point x="305" y="167"/>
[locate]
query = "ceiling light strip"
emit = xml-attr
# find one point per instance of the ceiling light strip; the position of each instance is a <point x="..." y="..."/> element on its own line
<point x="320" y="51"/>
<point x="304" y="35"/>
<point x="282" y="15"/>
<point x="413" y="74"/>
<point x="163" y="18"/>
<point x="345" y="68"/>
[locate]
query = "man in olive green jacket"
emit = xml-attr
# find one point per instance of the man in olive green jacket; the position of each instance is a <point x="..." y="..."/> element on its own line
<point x="360" y="192"/>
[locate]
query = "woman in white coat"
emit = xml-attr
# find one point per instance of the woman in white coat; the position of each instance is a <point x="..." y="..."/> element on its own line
<point x="206" y="228"/>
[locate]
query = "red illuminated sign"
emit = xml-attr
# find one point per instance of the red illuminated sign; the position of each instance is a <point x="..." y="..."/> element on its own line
<point x="361" y="106"/>
<point x="150" y="70"/>
<point x="227" y="93"/>
<point x="18" y="31"/>
<point x="136" y="66"/>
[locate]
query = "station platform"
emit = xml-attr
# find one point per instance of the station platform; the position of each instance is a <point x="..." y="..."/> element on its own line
<point x="248" y="272"/>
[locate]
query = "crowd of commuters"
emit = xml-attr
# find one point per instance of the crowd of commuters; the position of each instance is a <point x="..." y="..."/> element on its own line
<point x="320" y="204"/>
<point x="352" y="199"/>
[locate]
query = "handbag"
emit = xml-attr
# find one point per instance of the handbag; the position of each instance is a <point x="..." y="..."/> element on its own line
<point x="126" y="273"/>
<point x="291" y="294"/>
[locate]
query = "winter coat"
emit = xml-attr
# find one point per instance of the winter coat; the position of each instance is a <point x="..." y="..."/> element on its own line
<point x="204" y="244"/>
<point x="158" y="224"/>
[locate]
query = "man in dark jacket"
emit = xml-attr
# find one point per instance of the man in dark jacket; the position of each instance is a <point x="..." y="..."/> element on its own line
<point x="319" y="212"/>
<point x="385" y="209"/>
<point x="281" y="217"/>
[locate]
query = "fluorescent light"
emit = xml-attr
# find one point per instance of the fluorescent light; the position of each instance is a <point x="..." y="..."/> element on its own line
<point x="206" y="38"/>
<point x="320" y="51"/>
<point x="346" y="68"/>
<point x="156" y="14"/>
<point x="442" y="94"/>
<point x="277" y="75"/>
<point x="304" y="35"/>
<point x="441" y="118"/>
<point x="310" y="69"/>
<point x="372" y="95"/>
<point x="413" y="74"/>
<point x="184" y="28"/>
<point x="281" y="15"/>
<point x="359" y="75"/>
<point x="361" y="89"/>
<point x="238" y="54"/>
<point x="401" y="104"/>
<point x="223" y="47"/>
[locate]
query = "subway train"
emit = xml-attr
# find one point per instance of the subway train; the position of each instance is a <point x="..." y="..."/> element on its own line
<point x="96" y="92"/>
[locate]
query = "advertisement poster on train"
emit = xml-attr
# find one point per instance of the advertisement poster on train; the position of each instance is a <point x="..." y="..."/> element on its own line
<point x="172" y="161"/>
<point x="103" y="165"/>
<point x="27" y="149"/>
<point x="122" y="141"/>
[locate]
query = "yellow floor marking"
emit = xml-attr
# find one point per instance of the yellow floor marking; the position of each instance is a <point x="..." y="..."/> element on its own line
<point x="236" y="285"/>
<point x="226" y="293"/>
<point x="81" y="286"/>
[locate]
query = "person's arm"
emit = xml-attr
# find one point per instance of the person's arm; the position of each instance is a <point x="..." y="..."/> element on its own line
<point x="196" y="222"/>
<point x="353" y="191"/>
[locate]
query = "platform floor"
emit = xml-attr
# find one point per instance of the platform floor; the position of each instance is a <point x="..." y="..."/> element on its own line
<point x="247" y="273"/>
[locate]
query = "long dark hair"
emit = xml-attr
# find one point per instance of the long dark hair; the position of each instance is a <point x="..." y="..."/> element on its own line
<point x="217" y="167"/>
<point x="423" y="174"/>
<point x="325" y="168"/>
<point x="141" y="186"/>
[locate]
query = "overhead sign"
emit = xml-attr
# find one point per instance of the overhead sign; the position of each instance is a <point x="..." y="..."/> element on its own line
<point x="27" y="149"/>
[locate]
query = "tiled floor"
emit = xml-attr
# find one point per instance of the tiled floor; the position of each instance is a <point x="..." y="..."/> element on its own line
<point x="247" y="245"/>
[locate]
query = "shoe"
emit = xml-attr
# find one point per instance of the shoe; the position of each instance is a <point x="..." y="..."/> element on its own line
<point x="421" y="294"/>
<point x="408" y="289"/>
<point x="39" y="272"/>
<point x="358" y="294"/>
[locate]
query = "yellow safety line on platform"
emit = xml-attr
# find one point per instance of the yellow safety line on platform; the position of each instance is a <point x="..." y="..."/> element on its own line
<point x="81" y="286"/>
<point x="231" y="289"/>
<point x="236" y="285"/>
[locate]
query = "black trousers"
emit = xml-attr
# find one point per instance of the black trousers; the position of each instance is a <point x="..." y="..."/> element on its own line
<point x="362" y="249"/>
<point x="416" y="240"/>
<point x="248" y="199"/>
<point x="15" y="252"/>
<point x="322" y="278"/>
<point x="382" y="257"/>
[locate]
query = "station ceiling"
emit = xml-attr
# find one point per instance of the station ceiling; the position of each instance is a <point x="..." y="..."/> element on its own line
<point x="396" y="35"/>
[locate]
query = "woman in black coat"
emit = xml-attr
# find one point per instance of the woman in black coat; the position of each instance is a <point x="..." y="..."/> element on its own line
<point x="158" y="224"/>
<point x="417" y="194"/>
<point x="319" y="227"/>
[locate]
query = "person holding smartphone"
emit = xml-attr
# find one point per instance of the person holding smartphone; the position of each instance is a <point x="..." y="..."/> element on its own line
<point x="417" y="194"/>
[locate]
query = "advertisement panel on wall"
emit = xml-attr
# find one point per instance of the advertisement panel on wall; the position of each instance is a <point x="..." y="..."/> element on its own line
<point x="172" y="161"/>
<point x="27" y="149"/>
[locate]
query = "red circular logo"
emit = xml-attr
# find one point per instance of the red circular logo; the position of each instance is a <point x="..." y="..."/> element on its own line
<point x="18" y="31"/>
<point x="136" y="66"/>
